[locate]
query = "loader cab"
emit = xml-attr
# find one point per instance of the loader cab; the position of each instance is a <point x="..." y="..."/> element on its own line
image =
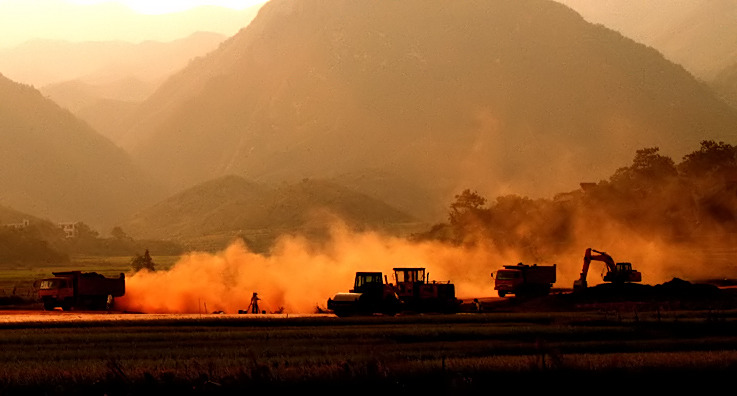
<point x="409" y="275"/>
<point x="408" y="281"/>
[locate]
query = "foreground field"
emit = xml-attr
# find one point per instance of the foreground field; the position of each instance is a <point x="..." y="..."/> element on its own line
<point x="439" y="354"/>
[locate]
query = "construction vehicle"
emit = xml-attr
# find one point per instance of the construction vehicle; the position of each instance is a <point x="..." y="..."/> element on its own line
<point x="80" y="290"/>
<point x="617" y="273"/>
<point x="373" y="294"/>
<point x="524" y="280"/>
<point x="417" y="294"/>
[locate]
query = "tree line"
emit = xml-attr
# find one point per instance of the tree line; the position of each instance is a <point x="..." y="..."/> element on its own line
<point x="43" y="242"/>
<point x="653" y="197"/>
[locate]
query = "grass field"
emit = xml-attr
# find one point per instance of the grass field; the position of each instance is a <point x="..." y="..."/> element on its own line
<point x="436" y="354"/>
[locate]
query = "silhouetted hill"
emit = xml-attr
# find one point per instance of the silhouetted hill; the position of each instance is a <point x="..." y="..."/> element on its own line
<point x="45" y="62"/>
<point x="219" y="210"/>
<point x="502" y="95"/>
<point x="108" y="108"/>
<point x="10" y="216"/>
<point x="77" y="95"/>
<point x="101" y="82"/>
<point x="55" y="166"/>
<point x="701" y="35"/>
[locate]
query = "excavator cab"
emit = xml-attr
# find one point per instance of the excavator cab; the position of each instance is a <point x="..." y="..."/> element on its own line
<point x="623" y="272"/>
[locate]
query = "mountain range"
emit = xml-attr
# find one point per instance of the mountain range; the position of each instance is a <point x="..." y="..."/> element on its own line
<point x="503" y="96"/>
<point x="380" y="111"/>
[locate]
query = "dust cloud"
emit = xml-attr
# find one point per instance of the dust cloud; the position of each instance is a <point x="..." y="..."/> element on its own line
<point x="300" y="275"/>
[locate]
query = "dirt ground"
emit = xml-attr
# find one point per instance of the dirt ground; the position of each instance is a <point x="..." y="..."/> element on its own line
<point x="675" y="294"/>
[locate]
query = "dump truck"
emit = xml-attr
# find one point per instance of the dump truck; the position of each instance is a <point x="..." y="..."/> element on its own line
<point x="524" y="280"/>
<point x="412" y="292"/>
<point x="617" y="273"/>
<point x="80" y="290"/>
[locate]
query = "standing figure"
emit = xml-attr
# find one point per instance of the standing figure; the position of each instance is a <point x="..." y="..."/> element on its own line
<point x="254" y="303"/>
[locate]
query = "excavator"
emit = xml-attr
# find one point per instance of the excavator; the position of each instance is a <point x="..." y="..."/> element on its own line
<point x="617" y="273"/>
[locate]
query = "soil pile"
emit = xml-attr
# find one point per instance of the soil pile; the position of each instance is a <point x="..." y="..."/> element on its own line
<point x="674" y="294"/>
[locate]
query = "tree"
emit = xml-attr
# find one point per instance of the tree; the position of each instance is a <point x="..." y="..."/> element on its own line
<point x="467" y="204"/>
<point x="143" y="262"/>
<point x="647" y="166"/>
<point x="85" y="232"/>
<point x="711" y="160"/>
<point x="118" y="233"/>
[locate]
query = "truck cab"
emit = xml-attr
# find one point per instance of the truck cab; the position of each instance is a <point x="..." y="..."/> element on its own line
<point x="55" y="290"/>
<point x="507" y="281"/>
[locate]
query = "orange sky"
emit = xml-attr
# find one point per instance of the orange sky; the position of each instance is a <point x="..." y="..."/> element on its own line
<point x="101" y="20"/>
<point x="168" y="6"/>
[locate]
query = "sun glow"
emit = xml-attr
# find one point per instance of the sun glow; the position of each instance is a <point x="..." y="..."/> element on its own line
<point x="157" y="7"/>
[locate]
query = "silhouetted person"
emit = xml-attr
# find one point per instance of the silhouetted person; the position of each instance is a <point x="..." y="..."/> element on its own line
<point x="254" y="303"/>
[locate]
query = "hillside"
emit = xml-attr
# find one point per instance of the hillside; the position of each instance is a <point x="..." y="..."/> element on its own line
<point x="55" y="166"/>
<point x="45" y="62"/>
<point x="725" y="84"/>
<point x="216" y="211"/>
<point x="701" y="35"/>
<point x="500" y="96"/>
<point x="106" y="107"/>
<point x="10" y="216"/>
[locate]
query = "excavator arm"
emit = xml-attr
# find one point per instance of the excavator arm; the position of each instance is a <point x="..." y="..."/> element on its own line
<point x="587" y="258"/>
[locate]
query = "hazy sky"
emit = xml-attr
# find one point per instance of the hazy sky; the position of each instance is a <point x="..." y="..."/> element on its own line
<point x="168" y="6"/>
<point x="99" y="20"/>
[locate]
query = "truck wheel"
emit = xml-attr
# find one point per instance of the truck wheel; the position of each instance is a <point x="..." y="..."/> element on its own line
<point x="49" y="305"/>
<point x="502" y="294"/>
<point x="66" y="305"/>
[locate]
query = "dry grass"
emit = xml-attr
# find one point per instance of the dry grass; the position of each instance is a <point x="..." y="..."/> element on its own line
<point x="445" y="352"/>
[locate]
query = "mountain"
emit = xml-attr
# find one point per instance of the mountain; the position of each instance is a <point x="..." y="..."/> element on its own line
<point x="45" y="62"/>
<point x="55" y="166"/>
<point x="725" y="83"/>
<point x="107" y="107"/>
<point x="9" y="216"/>
<point x="502" y="96"/>
<point x="103" y="82"/>
<point x="701" y="35"/>
<point x="219" y="210"/>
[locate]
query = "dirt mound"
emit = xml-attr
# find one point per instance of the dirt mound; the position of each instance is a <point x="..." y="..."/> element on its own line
<point x="676" y="293"/>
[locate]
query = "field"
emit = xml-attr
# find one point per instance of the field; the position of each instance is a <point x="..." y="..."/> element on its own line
<point x="440" y="354"/>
